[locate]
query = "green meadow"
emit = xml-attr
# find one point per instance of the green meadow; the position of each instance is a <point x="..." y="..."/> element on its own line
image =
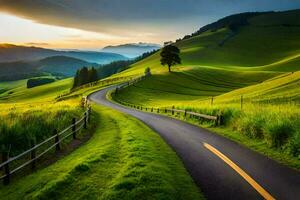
<point x="251" y="78"/>
<point x="123" y="159"/>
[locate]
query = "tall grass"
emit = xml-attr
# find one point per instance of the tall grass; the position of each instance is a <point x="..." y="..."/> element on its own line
<point x="278" y="125"/>
<point x="24" y="124"/>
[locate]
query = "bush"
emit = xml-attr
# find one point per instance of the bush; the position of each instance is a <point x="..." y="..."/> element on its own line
<point x="251" y="125"/>
<point x="39" y="81"/>
<point x="147" y="71"/>
<point x="295" y="144"/>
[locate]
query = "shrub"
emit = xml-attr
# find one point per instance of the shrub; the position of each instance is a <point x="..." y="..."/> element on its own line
<point x="295" y="144"/>
<point x="278" y="131"/>
<point x="251" y="125"/>
<point x="147" y="71"/>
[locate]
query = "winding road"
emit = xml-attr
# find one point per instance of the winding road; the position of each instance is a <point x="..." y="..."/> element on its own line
<point x="221" y="168"/>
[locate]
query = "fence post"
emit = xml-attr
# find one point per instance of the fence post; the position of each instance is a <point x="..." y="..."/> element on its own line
<point x="184" y="113"/>
<point x="157" y="110"/>
<point x="165" y="110"/>
<point x="33" y="156"/>
<point x="6" y="179"/>
<point x="217" y="120"/>
<point x="151" y="109"/>
<point x="173" y="110"/>
<point x="85" y="120"/>
<point x="242" y="101"/>
<point x="141" y="107"/>
<point x="74" y="128"/>
<point x="89" y="114"/>
<point x="57" y="148"/>
<point x="212" y="101"/>
<point x="221" y="120"/>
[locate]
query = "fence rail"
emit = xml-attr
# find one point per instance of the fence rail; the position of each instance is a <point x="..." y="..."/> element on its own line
<point x="218" y="120"/>
<point x="58" y="137"/>
<point x="102" y="82"/>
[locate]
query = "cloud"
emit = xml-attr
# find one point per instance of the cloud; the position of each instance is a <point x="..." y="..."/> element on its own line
<point x="36" y="44"/>
<point x="116" y="15"/>
<point x="163" y="19"/>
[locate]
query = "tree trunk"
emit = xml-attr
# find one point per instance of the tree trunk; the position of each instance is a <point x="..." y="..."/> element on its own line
<point x="169" y="66"/>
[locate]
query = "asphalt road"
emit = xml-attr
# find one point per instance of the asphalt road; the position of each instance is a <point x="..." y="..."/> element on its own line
<point x="221" y="168"/>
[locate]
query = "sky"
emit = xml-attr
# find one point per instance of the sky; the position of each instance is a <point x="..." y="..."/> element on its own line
<point x="93" y="24"/>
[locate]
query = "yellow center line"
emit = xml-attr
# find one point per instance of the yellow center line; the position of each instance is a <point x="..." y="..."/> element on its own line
<point x="241" y="172"/>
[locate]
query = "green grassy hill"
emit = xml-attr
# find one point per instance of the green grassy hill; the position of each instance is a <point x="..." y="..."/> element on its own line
<point x="259" y="61"/>
<point x="268" y="39"/>
<point x="284" y="87"/>
<point x="116" y="163"/>
<point x="16" y="91"/>
<point x="264" y="48"/>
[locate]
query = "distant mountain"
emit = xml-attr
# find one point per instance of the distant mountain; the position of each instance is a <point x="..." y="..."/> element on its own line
<point x="18" y="70"/>
<point x="55" y="65"/>
<point x="66" y="66"/>
<point x="13" y="53"/>
<point x="131" y="50"/>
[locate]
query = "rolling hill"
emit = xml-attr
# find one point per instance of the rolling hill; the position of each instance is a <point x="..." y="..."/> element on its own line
<point x="246" y="71"/>
<point x="66" y="66"/>
<point x="264" y="47"/>
<point x="56" y="65"/>
<point x="18" y="70"/>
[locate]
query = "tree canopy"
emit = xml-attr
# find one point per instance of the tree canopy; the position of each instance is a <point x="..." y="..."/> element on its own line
<point x="170" y="56"/>
<point x="84" y="76"/>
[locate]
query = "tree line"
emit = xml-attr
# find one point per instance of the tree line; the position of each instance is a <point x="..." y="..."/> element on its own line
<point x="85" y="75"/>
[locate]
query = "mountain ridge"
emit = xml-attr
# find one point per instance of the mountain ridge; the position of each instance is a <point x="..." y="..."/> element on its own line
<point x="13" y="53"/>
<point x="131" y="50"/>
<point x="55" y="65"/>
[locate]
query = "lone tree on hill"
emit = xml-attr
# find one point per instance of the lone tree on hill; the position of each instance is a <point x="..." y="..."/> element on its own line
<point x="170" y="56"/>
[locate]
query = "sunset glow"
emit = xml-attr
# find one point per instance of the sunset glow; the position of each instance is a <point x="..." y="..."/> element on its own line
<point x="29" y="33"/>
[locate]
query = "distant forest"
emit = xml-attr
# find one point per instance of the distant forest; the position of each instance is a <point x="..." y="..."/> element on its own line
<point x="86" y="75"/>
<point x="118" y="66"/>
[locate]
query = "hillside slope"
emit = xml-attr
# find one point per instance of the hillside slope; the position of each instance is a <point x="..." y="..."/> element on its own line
<point x="265" y="47"/>
<point x="66" y="66"/>
<point x="267" y="43"/>
<point x="282" y="88"/>
<point x="17" y="92"/>
<point x="249" y="75"/>
<point x="56" y="65"/>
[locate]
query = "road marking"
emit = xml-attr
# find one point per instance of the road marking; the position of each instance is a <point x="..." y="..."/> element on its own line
<point x="241" y="172"/>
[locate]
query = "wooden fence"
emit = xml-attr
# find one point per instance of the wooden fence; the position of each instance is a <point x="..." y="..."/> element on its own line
<point x="105" y="82"/>
<point x="218" y="120"/>
<point x="53" y="142"/>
